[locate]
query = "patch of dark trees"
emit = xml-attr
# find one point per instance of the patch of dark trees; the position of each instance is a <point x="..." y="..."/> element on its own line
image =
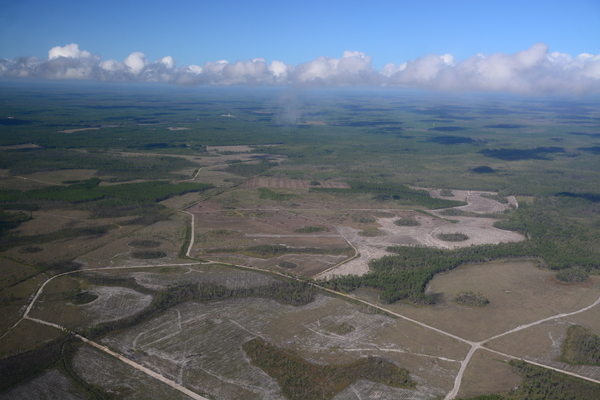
<point x="14" y="121"/>
<point x="584" y="134"/>
<point x="537" y="153"/>
<point x="374" y="123"/>
<point x="483" y="169"/>
<point x="592" y="149"/>
<point x="505" y="126"/>
<point x="593" y="197"/>
<point x="448" y="128"/>
<point x="449" y="140"/>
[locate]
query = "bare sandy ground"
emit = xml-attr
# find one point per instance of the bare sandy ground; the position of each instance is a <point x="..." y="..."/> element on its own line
<point x="21" y="146"/>
<point x="479" y="230"/>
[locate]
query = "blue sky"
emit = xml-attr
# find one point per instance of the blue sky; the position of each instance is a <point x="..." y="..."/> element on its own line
<point x="197" y="32"/>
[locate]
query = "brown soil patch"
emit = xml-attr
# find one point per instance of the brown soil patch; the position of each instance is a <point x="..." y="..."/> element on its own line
<point x="290" y="184"/>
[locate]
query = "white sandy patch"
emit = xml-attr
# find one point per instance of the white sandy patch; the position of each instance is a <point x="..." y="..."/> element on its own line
<point x="479" y="230"/>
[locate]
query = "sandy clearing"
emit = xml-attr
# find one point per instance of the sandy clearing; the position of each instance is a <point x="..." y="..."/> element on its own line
<point x="479" y="230"/>
<point x="78" y="130"/>
<point x="115" y="303"/>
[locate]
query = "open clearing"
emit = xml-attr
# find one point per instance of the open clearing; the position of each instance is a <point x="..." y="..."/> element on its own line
<point x="518" y="292"/>
<point x="479" y="231"/>
<point x="542" y="343"/>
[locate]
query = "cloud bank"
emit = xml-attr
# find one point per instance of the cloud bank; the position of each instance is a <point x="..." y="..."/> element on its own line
<point x="534" y="71"/>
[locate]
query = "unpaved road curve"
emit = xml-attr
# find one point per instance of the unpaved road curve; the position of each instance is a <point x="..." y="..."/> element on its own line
<point x="143" y="369"/>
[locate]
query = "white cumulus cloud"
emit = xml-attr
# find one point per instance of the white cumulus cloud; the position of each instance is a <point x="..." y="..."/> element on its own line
<point x="68" y="51"/>
<point x="532" y="71"/>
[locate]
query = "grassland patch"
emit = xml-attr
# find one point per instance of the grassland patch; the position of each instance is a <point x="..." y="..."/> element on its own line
<point x="269" y="194"/>
<point x="274" y="250"/>
<point x="544" y="384"/>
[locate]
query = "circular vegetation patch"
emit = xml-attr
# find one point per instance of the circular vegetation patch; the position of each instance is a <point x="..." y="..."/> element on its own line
<point x="483" y="169"/>
<point x="148" y="254"/>
<point x="406" y="222"/>
<point x="145" y="243"/>
<point x="572" y="275"/>
<point x="453" y="237"/>
<point x="287" y="264"/>
<point x="363" y="219"/>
